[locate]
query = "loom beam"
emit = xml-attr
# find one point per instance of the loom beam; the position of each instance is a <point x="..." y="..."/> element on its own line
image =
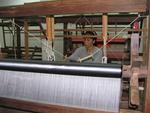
<point x="60" y="87"/>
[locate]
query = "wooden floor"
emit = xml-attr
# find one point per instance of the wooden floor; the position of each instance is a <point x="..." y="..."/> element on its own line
<point x="129" y="111"/>
<point x="5" y="110"/>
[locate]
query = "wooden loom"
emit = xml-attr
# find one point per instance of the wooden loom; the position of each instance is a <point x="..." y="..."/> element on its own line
<point x="61" y="7"/>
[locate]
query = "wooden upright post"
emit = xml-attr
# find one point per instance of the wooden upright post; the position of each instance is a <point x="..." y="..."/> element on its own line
<point x="147" y="96"/>
<point x="50" y="28"/>
<point x="49" y="55"/>
<point x="104" y="32"/>
<point x="18" y="41"/>
<point x="4" y="36"/>
<point x="26" y="34"/>
<point x="145" y="40"/>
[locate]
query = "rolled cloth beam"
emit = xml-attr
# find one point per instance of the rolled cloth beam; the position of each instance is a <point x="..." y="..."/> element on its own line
<point x="85" y="86"/>
<point x="95" y="70"/>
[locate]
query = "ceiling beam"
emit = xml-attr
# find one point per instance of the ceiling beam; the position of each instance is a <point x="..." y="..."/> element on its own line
<point x="74" y="7"/>
<point x="95" y="20"/>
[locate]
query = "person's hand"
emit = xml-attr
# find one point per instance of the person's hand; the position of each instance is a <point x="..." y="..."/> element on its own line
<point x="65" y="58"/>
<point x="79" y="60"/>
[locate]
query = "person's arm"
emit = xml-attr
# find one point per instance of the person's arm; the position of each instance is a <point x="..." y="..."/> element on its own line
<point x="75" y="56"/>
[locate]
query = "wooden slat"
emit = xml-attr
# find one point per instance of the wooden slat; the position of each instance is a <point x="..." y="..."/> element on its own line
<point x="145" y="40"/>
<point x="110" y="29"/>
<point x="74" y="7"/>
<point x="18" y="30"/>
<point x="26" y="34"/>
<point x="147" y="96"/>
<point x="79" y="39"/>
<point x="129" y="111"/>
<point x="134" y="48"/>
<point x="10" y="110"/>
<point x="134" y="88"/>
<point x="43" y="108"/>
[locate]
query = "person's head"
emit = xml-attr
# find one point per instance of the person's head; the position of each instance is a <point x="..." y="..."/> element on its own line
<point x="89" y="39"/>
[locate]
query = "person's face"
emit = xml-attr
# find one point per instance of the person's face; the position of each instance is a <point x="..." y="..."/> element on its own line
<point x="88" y="42"/>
